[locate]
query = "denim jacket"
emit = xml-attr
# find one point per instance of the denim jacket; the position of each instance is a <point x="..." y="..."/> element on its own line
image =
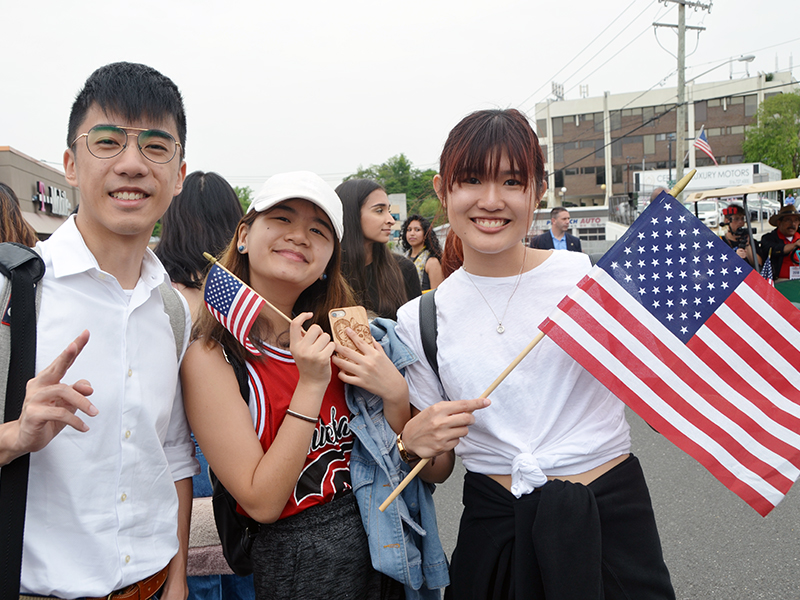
<point x="404" y="540"/>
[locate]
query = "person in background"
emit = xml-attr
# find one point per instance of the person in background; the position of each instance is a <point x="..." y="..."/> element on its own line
<point x="202" y="218"/>
<point x="382" y="280"/>
<point x="737" y="236"/>
<point x="422" y="248"/>
<point x="783" y="242"/>
<point x="555" y="505"/>
<point x="557" y="238"/>
<point x="13" y="226"/>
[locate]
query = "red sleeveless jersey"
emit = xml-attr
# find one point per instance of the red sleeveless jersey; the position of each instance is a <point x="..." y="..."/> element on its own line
<point x="326" y="473"/>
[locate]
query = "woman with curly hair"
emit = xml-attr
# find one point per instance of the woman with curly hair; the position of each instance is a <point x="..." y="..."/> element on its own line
<point x="422" y="248"/>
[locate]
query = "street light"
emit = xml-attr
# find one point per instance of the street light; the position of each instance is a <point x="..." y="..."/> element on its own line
<point x="745" y="59"/>
<point x="563" y="192"/>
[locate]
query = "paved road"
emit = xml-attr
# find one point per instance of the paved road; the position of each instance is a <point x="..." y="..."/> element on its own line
<point x="715" y="545"/>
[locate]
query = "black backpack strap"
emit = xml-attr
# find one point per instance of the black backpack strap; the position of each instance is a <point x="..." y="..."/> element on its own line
<point x="428" y="329"/>
<point x="24" y="268"/>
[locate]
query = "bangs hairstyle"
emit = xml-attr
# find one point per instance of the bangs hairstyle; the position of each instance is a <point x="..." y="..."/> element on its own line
<point x="320" y="297"/>
<point x="132" y="91"/>
<point x="476" y="145"/>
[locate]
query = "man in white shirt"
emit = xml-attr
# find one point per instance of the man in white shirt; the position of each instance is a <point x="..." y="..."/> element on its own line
<point x="109" y="497"/>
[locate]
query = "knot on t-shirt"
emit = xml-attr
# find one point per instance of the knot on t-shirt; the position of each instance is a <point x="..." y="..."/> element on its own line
<point x="526" y="474"/>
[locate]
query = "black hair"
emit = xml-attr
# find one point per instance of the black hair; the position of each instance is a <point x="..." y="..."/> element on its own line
<point x="202" y="218"/>
<point x="388" y="277"/>
<point x="132" y="91"/>
<point x="431" y="242"/>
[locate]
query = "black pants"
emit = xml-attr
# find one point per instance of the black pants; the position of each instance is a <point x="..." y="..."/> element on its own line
<point x="563" y="541"/>
<point x="322" y="553"/>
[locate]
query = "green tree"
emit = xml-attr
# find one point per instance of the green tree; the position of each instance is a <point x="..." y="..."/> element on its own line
<point x="776" y="139"/>
<point x="399" y="176"/>
<point x="245" y="195"/>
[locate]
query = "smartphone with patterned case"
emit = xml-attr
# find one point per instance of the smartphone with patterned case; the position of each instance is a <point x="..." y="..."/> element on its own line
<point x="354" y="317"/>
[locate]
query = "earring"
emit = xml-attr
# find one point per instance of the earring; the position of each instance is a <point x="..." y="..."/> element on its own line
<point x="323" y="277"/>
<point x="241" y="249"/>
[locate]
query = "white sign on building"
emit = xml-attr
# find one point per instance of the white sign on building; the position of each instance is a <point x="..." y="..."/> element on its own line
<point x="708" y="178"/>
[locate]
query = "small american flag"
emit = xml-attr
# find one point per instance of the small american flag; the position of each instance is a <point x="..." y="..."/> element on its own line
<point x="689" y="336"/>
<point x="233" y="304"/>
<point x="701" y="143"/>
<point x="766" y="270"/>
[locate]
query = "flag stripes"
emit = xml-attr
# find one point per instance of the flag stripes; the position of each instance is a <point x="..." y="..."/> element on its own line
<point x="697" y="397"/>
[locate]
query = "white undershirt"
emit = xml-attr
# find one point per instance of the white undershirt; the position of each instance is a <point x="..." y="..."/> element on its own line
<point x="549" y="416"/>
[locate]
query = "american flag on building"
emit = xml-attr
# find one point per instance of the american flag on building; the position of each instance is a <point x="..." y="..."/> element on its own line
<point x="701" y="143"/>
<point x="233" y="304"/>
<point x="695" y="341"/>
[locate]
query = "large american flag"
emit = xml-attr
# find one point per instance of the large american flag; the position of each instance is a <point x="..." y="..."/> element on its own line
<point x="701" y="143"/>
<point x="695" y="341"/>
<point x="233" y="304"/>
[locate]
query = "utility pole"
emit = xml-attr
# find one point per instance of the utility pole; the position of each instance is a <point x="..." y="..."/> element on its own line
<point x="680" y="113"/>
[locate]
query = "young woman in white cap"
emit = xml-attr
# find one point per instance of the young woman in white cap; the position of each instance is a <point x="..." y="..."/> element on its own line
<point x="286" y="458"/>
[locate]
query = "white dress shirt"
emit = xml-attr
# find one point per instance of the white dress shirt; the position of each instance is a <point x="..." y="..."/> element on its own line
<point x="550" y="416"/>
<point x="102" y="507"/>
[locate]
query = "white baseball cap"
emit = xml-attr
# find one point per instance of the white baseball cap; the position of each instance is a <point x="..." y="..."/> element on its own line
<point x="306" y="186"/>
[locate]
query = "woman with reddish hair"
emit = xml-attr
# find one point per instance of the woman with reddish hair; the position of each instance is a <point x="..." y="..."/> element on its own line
<point x="555" y="505"/>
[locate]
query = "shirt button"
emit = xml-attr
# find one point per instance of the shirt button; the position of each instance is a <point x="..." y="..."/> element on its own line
<point x="127" y="434"/>
<point x="128" y="559"/>
<point x="123" y="497"/>
<point x="130" y="372"/>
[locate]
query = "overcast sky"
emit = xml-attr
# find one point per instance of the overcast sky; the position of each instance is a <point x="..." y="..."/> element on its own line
<point x="331" y="85"/>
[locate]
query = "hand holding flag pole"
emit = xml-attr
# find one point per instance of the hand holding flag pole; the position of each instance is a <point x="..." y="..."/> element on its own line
<point x="421" y="464"/>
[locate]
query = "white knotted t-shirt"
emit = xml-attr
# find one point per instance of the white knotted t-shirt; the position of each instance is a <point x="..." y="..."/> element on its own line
<point x="549" y="417"/>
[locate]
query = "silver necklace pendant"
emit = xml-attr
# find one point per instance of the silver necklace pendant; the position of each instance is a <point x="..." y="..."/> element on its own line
<point x="500" y="328"/>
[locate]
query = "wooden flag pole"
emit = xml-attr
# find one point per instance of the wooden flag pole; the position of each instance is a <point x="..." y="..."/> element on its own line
<point x="421" y="464"/>
<point x="214" y="261"/>
<point x="679" y="187"/>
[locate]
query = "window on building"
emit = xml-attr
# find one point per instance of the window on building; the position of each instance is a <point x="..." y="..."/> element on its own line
<point x="600" y="176"/>
<point x="736" y="129"/>
<point x="735" y="159"/>
<point x="559" y="179"/>
<point x="587" y="117"/>
<point x="714" y="131"/>
<point x="568" y="172"/>
<point x="544" y="151"/>
<point x="558" y="153"/>
<point x="632" y="139"/>
<point x="661" y="137"/>
<point x="649" y="142"/>
<point x="598" y="122"/>
<point x="750" y="105"/>
<point x="636" y="111"/>
<point x="737" y="100"/>
<point x="587" y="170"/>
<point x="661" y="164"/>
<point x="648" y="116"/>
<point x="616" y="119"/>
<point x="703" y="161"/>
<point x="713" y="103"/>
<point x="558" y="127"/>
<point x="541" y="127"/>
<point x="701" y="111"/>
<point x="616" y="173"/>
<point x="599" y="149"/>
<point x="616" y="148"/>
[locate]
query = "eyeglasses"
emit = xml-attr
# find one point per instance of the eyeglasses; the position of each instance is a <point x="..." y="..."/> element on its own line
<point x="108" y="141"/>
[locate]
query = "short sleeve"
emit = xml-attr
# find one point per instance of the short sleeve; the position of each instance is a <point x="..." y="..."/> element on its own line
<point x="424" y="387"/>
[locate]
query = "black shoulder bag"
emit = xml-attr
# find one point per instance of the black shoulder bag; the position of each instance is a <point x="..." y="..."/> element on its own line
<point x="24" y="268"/>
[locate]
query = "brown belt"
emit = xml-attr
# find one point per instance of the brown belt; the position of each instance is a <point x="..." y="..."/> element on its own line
<point x="142" y="590"/>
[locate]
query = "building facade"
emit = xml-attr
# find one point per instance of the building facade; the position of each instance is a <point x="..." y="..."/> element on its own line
<point x="45" y="197"/>
<point x="593" y="146"/>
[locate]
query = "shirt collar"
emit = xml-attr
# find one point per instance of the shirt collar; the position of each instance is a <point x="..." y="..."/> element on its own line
<point x="69" y="255"/>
